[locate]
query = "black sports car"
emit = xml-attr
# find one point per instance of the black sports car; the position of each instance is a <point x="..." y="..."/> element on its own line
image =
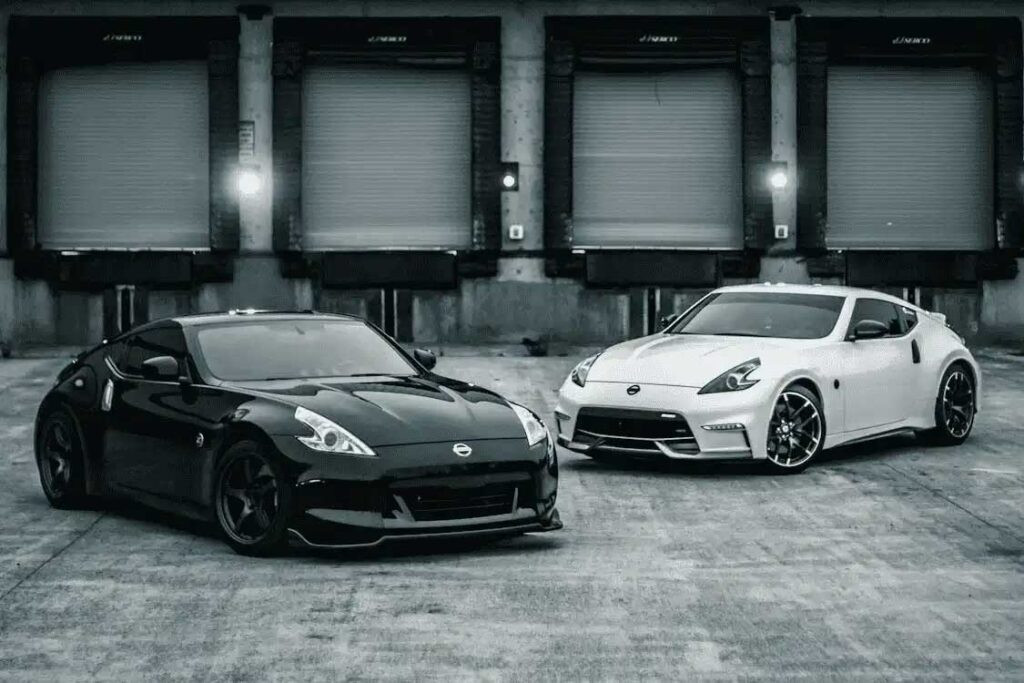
<point x="308" y="427"/>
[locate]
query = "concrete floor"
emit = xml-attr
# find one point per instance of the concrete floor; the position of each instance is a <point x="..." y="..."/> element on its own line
<point x="886" y="560"/>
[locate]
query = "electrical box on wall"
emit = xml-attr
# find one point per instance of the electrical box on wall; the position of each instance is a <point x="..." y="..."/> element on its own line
<point x="781" y="231"/>
<point x="515" y="232"/>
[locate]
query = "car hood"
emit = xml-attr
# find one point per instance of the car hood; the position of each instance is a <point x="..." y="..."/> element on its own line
<point x="679" y="359"/>
<point x="387" y="411"/>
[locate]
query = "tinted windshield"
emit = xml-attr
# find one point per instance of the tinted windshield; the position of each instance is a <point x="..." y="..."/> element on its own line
<point x="762" y="314"/>
<point x="290" y="349"/>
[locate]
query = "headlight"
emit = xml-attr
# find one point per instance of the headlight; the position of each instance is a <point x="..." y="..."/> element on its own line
<point x="329" y="437"/>
<point x="582" y="369"/>
<point x="534" y="428"/>
<point x="733" y="380"/>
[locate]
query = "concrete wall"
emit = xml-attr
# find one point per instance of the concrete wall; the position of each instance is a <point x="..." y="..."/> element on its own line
<point x="520" y="301"/>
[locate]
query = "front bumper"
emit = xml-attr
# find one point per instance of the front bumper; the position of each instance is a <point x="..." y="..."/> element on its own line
<point x="724" y="426"/>
<point x="420" y="491"/>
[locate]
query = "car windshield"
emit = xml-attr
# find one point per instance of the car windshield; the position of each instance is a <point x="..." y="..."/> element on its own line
<point x="292" y="349"/>
<point x="762" y="314"/>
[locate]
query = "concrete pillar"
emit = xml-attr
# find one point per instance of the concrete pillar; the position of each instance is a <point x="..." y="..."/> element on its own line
<point x="522" y="122"/>
<point x="783" y="56"/>
<point x="255" y="103"/>
<point x="7" y="312"/>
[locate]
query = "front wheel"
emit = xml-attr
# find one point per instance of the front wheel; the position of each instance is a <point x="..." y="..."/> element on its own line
<point x="252" y="499"/>
<point x="60" y="457"/>
<point x="955" y="408"/>
<point x="796" y="431"/>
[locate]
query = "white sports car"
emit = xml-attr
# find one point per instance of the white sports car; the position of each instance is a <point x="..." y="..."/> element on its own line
<point x="773" y="373"/>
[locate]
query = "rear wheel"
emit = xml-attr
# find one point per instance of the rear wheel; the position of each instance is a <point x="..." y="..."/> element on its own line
<point x="252" y="500"/>
<point x="955" y="407"/>
<point x="60" y="456"/>
<point x="796" y="431"/>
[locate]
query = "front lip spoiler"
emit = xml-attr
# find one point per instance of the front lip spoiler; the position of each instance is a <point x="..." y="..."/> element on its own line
<point x="695" y="456"/>
<point x="552" y="524"/>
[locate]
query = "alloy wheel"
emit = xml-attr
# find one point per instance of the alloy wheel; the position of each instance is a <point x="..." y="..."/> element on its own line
<point x="794" y="431"/>
<point x="958" y="404"/>
<point x="249" y="499"/>
<point x="56" y="457"/>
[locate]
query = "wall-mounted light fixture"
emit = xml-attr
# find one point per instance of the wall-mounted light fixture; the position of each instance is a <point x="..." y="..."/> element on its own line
<point x="248" y="180"/>
<point x="510" y="176"/>
<point x="777" y="175"/>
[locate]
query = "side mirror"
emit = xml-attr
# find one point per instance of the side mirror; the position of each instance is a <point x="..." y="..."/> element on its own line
<point x="163" y="368"/>
<point x="667" y="320"/>
<point x="425" y="358"/>
<point x="868" y="329"/>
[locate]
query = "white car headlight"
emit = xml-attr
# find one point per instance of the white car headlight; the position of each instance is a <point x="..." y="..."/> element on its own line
<point x="534" y="428"/>
<point x="329" y="437"/>
<point x="582" y="369"/>
<point x="736" y="379"/>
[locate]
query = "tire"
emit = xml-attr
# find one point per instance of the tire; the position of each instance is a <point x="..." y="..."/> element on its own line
<point x="955" y="407"/>
<point x="60" y="458"/>
<point x="796" y="431"/>
<point x="252" y="500"/>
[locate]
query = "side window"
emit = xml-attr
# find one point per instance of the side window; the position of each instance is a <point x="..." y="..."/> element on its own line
<point x="876" y="309"/>
<point x="162" y="341"/>
<point x="115" y="352"/>
<point x="909" y="317"/>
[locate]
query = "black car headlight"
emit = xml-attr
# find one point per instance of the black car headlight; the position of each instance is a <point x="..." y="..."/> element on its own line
<point x="582" y="369"/>
<point x="328" y="436"/>
<point x="532" y="425"/>
<point x="736" y="379"/>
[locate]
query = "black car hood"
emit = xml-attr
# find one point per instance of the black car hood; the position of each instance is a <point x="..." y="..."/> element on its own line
<point x="387" y="411"/>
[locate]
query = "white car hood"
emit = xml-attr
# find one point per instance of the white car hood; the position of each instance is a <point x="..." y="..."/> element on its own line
<point x="678" y="359"/>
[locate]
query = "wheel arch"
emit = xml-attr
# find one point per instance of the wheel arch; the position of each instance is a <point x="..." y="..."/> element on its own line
<point x="51" y="403"/>
<point x="808" y="383"/>
<point x="972" y="372"/>
<point x="237" y="431"/>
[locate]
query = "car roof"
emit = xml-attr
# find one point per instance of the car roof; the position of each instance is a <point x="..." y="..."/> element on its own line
<point x="824" y="290"/>
<point x="242" y="315"/>
<point x="236" y="316"/>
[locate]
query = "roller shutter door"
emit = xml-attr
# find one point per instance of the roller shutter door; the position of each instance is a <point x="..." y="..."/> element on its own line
<point x="657" y="160"/>
<point x="910" y="158"/>
<point x="124" y="156"/>
<point x="386" y="158"/>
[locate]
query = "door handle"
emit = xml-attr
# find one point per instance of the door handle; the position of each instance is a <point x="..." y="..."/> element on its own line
<point x="915" y="351"/>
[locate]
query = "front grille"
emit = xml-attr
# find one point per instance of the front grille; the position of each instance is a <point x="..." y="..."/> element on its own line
<point x="438" y="503"/>
<point x="638" y="431"/>
<point x="634" y="424"/>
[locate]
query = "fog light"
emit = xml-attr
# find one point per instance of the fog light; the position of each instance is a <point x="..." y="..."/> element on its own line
<point x="724" y="427"/>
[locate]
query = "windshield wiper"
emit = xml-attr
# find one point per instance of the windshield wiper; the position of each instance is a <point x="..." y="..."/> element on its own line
<point x="738" y="334"/>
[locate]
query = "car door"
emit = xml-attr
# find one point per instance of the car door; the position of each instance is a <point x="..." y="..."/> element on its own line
<point x="149" y="438"/>
<point x="877" y="373"/>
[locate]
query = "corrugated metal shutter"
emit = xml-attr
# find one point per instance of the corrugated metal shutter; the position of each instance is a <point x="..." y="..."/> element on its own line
<point x="124" y="156"/>
<point x="657" y="159"/>
<point x="386" y="158"/>
<point x="910" y="158"/>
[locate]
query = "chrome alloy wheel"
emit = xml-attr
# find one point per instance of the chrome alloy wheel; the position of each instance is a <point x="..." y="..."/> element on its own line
<point x="958" y="404"/>
<point x="248" y="503"/>
<point x="56" y="457"/>
<point x="795" y="430"/>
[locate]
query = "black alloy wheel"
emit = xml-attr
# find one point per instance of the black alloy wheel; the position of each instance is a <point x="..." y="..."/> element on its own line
<point x="796" y="430"/>
<point x="955" y="407"/>
<point x="60" y="456"/>
<point x="252" y="500"/>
